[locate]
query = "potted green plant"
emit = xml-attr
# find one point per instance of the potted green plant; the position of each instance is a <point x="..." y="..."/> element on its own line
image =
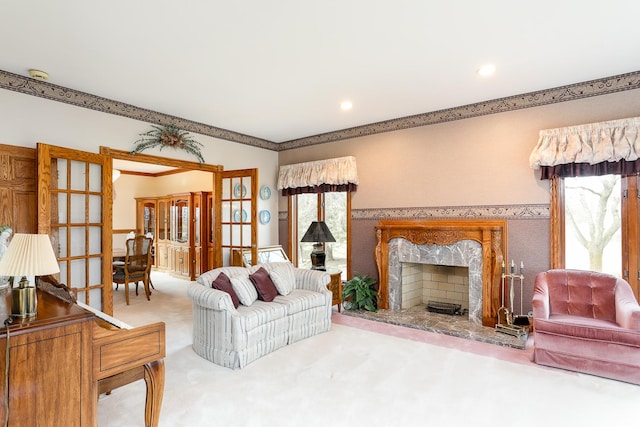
<point x="359" y="293"/>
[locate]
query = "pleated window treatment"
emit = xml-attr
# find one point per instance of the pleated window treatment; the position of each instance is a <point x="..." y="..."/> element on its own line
<point x="611" y="147"/>
<point x="339" y="174"/>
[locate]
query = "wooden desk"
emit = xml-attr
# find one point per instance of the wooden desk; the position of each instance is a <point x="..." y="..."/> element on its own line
<point x="50" y="366"/>
<point x="61" y="358"/>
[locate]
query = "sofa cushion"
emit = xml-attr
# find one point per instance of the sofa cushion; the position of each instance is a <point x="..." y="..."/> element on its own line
<point x="300" y="299"/>
<point x="259" y="314"/>
<point x="245" y="290"/>
<point x="264" y="285"/>
<point x="283" y="276"/>
<point x="223" y="283"/>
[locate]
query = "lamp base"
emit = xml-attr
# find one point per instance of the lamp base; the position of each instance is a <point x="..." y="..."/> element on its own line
<point x="24" y="301"/>
<point x="318" y="257"/>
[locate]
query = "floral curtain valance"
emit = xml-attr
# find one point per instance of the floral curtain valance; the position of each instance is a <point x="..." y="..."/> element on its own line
<point x="592" y="143"/>
<point x="339" y="174"/>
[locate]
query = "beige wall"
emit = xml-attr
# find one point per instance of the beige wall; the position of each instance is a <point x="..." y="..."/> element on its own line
<point x="478" y="161"/>
<point x="482" y="161"/>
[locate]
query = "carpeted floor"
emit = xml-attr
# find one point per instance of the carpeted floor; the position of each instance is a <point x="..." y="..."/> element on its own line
<point x="360" y="373"/>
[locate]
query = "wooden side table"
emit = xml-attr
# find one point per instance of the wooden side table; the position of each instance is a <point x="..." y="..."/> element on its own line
<point x="335" y="286"/>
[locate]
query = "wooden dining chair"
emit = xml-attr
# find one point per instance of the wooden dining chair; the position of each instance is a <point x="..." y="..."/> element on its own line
<point x="136" y="267"/>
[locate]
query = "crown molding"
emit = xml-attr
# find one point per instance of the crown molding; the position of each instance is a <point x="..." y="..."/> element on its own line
<point x="603" y="86"/>
<point x="54" y="92"/>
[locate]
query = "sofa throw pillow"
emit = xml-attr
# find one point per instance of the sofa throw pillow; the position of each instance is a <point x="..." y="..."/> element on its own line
<point x="282" y="275"/>
<point x="223" y="283"/>
<point x="245" y="290"/>
<point x="264" y="285"/>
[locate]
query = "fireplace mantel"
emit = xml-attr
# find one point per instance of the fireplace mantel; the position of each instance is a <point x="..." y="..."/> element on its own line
<point x="491" y="234"/>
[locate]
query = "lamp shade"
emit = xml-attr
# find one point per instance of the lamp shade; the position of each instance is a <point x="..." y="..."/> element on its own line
<point x="318" y="232"/>
<point x="29" y="255"/>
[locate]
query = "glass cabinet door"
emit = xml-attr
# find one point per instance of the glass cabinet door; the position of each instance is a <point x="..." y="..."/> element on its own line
<point x="180" y="220"/>
<point x="149" y="218"/>
<point x="163" y="220"/>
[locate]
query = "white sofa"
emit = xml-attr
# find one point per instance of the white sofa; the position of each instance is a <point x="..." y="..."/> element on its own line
<point x="234" y="337"/>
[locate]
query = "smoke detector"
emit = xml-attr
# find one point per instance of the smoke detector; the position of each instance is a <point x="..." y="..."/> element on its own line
<point x="38" y="75"/>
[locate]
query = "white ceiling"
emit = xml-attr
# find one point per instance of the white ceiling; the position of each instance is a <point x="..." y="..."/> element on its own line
<point x="278" y="70"/>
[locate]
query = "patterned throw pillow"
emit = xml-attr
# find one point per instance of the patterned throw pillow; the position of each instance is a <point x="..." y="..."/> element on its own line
<point x="264" y="285"/>
<point x="223" y="283"/>
<point x="245" y="290"/>
<point x="282" y="275"/>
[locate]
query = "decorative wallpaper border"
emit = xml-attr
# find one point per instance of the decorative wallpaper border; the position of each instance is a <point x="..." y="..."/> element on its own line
<point x="603" y="86"/>
<point x="519" y="212"/>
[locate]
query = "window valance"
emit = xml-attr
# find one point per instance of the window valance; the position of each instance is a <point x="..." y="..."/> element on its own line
<point x="592" y="143"/>
<point x="339" y="174"/>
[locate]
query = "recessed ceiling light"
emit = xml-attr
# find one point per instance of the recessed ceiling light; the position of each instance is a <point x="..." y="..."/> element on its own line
<point x="487" y="70"/>
<point x="346" y="105"/>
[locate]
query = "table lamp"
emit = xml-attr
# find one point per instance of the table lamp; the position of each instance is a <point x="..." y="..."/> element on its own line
<point x="27" y="255"/>
<point x="318" y="233"/>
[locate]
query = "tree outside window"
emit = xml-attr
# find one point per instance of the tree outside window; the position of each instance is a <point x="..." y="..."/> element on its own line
<point x="593" y="224"/>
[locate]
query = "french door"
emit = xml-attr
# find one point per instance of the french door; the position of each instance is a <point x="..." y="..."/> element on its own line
<point x="74" y="209"/>
<point x="235" y="225"/>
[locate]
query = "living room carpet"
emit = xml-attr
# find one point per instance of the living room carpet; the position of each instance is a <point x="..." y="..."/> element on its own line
<point x="359" y="373"/>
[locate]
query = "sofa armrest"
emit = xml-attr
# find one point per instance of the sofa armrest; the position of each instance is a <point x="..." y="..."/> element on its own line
<point x="627" y="308"/>
<point x="540" y="301"/>
<point x="210" y="298"/>
<point x="311" y="280"/>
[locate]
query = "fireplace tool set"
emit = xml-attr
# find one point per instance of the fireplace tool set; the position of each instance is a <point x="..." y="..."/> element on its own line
<point x="508" y="323"/>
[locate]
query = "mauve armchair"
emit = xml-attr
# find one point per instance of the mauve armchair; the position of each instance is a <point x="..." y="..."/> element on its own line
<point x="587" y="322"/>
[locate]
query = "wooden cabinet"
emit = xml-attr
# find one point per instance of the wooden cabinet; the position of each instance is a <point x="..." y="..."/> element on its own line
<point x="183" y="225"/>
<point x="50" y="366"/>
<point x="335" y="286"/>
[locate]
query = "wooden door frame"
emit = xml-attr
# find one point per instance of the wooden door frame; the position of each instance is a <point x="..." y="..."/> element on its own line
<point x="184" y="165"/>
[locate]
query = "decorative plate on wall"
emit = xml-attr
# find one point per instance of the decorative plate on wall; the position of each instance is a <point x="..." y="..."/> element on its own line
<point x="265" y="192"/>
<point x="238" y="218"/>
<point x="239" y="191"/>
<point x="265" y="217"/>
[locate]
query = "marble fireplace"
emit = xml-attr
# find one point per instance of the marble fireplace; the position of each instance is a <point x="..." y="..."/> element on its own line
<point x="477" y="244"/>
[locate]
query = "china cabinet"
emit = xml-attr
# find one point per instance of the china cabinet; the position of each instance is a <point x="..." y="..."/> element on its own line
<point x="182" y="224"/>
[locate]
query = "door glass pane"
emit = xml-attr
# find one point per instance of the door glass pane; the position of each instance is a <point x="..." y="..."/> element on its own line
<point x="78" y="175"/>
<point x="95" y="241"/>
<point x="62" y="209"/>
<point x="59" y="178"/>
<point x="95" y="177"/>
<point x="60" y="242"/>
<point x="78" y="247"/>
<point x="78" y="208"/>
<point x="95" y="265"/>
<point x="95" y="209"/>
<point x="592" y="224"/>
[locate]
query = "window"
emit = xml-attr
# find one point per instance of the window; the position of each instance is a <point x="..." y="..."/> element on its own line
<point x="334" y="208"/>
<point x="595" y="225"/>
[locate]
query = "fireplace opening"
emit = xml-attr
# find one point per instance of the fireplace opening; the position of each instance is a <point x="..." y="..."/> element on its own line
<point x="442" y="289"/>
